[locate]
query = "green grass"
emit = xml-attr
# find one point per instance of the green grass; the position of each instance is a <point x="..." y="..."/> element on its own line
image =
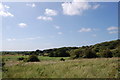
<point x="42" y="58"/>
<point x="51" y="58"/>
<point x="80" y="68"/>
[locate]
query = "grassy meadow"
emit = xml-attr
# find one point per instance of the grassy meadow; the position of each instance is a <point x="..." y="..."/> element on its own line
<point x="52" y="67"/>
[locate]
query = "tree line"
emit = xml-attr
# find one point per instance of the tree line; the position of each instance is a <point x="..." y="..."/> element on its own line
<point x="104" y="49"/>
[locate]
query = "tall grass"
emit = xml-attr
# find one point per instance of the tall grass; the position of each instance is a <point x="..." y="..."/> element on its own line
<point x="82" y="68"/>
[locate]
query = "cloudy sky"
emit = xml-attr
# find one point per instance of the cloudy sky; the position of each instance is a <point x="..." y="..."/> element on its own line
<point x="43" y="25"/>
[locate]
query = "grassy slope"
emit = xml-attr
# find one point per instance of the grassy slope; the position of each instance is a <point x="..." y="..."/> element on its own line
<point x="82" y="68"/>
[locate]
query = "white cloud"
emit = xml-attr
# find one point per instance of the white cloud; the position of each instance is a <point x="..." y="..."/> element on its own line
<point x="76" y="7"/>
<point x="11" y="39"/>
<point x="96" y="6"/>
<point x="29" y="38"/>
<point x="60" y="33"/>
<point x="85" y="30"/>
<point x="31" y="5"/>
<point x="50" y="12"/>
<point x="22" y="25"/>
<point x="32" y="38"/>
<point x="112" y="30"/>
<point x="6" y="6"/>
<point x="4" y="12"/>
<point x="57" y="27"/>
<point x="2" y="7"/>
<point x="45" y="18"/>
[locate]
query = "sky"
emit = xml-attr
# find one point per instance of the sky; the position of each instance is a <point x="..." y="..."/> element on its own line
<point x="44" y="25"/>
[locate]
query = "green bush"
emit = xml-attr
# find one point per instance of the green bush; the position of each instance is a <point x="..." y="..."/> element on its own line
<point x="106" y="53"/>
<point x="116" y="52"/>
<point x="32" y="58"/>
<point x="21" y="58"/>
<point x="88" y="53"/>
<point x="62" y="59"/>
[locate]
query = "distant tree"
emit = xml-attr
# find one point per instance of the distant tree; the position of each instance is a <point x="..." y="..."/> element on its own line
<point x="88" y="53"/>
<point x="95" y="49"/>
<point x="106" y="53"/>
<point x="38" y="52"/>
<point x="76" y="53"/>
<point x="51" y="54"/>
<point x="60" y="52"/>
<point x="116" y="52"/>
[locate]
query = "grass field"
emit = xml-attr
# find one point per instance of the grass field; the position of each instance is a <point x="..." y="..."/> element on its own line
<point x="51" y="67"/>
<point x="42" y="58"/>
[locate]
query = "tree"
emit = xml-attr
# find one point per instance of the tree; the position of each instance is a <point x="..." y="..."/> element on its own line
<point x="106" y="53"/>
<point x="116" y="52"/>
<point x="88" y="53"/>
<point x="60" y="52"/>
<point x="76" y="53"/>
<point x="38" y="52"/>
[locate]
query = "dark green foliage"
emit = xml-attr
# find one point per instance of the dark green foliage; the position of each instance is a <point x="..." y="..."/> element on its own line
<point x="62" y="59"/>
<point x="60" y="52"/>
<point x="104" y="49"/>
<point x="76" y="53"/>
<point x="88" y="53"/>
<point x="116" y="52"/>
<point x="21" y="58"/>
<point x="38" y="52"/>
<point x="106" y="53"/>
<point x="32" y="58"/>
<point x="3" y="63"/>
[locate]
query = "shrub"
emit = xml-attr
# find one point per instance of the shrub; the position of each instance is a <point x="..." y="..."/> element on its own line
<point x="88" y="53"/>
<point x="32" y="58"/>
<point x="62" y="59"/>
<point x="2" y="63"/>
<point x="116" y="52"/>
<point x="25" y="59"/>
<point x="76" y="53"/>
<point x="106" y="53"/>
<point x="21" y="58"/>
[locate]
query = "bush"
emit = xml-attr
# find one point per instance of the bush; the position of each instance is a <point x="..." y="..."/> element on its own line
<point x="76" y="53"/>
<point x="2" y="63"/>
<point x="106" y="53"/>
<point x="116" y="52"/>
<point x="88" y="53"/>
<point x="62" y="59"/>
<point x="32" y="58"/>
<point x="21" y="58"/>
<point x="25" y="60"/>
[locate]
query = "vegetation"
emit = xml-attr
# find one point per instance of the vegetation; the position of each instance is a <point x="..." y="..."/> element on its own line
<point x="94" y="61"/>
<point x="105" y="49"/>
<point x="21" y="58"/>
<point x="62" y="59"/>
<point x="32" y="58"/>
<point x="79" y="68"/>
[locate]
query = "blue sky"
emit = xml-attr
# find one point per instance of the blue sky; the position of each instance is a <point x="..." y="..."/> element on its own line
<point x="44" y="25"/>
